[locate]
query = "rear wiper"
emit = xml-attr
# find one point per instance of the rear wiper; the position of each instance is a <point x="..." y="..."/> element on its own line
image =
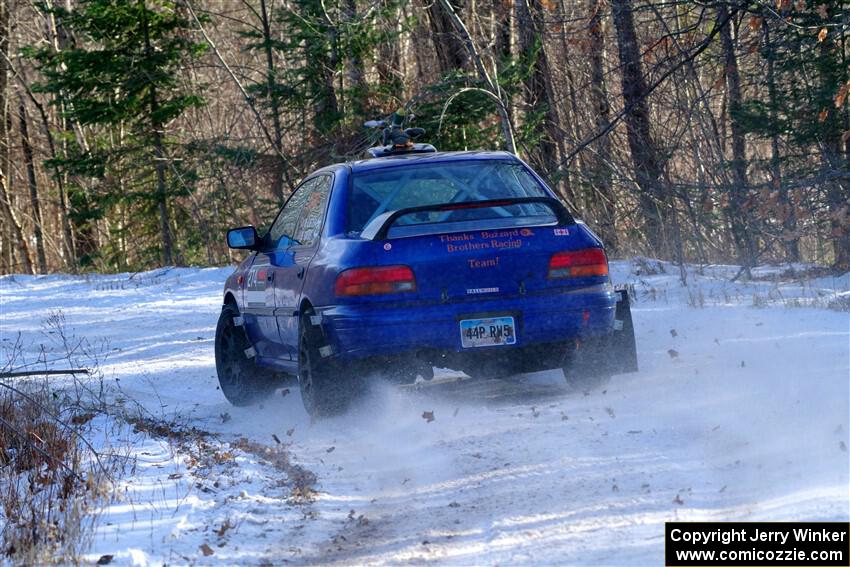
<point x="378" y="227"/>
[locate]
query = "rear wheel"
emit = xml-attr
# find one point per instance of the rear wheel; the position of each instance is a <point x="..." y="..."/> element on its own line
<point x="242" y="381"/>
<point x="589" y="365"/>
<point x="327" y="389"/>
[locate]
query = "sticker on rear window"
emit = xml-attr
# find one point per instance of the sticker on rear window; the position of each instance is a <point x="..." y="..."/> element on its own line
<point x="562" y="232"/>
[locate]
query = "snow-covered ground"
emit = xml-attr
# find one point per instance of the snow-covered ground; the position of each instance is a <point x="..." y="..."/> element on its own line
<point x="740" y="411"/>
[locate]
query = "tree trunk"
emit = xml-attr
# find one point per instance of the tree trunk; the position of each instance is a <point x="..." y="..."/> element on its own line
<point x="35" y="203"/>
<point x="448" y="46"/>
<point x="355" y="72"/>
<point x="599" y="170"/>
<point x="645" y="160"/>
<point x="60" y="38"/>
<point x="538" y="88"/>
<point x="17" y="233"/>
<point x="737" y="214"/>
<point x="159" y="157"/>
<point x="789" y="212"/>
<point x="388" y="65"/>
<point x="274" y="103"/>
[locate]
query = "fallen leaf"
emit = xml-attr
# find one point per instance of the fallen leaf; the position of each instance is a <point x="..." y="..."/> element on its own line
<point x="225" y="417"/>
<point x="285" y="392"/>
<point x="743" y="364"/>
<point x="330" y="450"/>
<point x="81" y="419"/>
<point x="428" y="416"/>
<point x="678" y="500"/>
<point x="223" y="529"/>
<point x="454" y="504"/>
<point x="207" y="550"/>
<point x="105" y="560"/>
<point x="610" y="412"/>
<point x="822" y="115"/>
<point x="289" y="432"/>
<point x="673" y="353"/>
<point x="673" y="333"/>
<point x="175" y="476"/>
<point x="822" y="35"/>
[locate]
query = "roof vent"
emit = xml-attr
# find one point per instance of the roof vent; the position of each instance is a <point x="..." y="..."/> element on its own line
<point x="386" y="151"/>
<point x="395" y="138"/>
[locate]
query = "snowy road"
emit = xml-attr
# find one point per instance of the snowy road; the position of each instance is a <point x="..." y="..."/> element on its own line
<point x="743" y="414"/>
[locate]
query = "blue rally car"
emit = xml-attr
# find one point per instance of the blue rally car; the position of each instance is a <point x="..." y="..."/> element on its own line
<point x="414" y="259"/>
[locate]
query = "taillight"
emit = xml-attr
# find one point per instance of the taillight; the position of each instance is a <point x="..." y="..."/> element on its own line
<point x="375" y="281"/>
<point x="578" y="263"/>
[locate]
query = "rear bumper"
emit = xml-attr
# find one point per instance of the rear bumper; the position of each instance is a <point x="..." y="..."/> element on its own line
<point x="360" y="331"/>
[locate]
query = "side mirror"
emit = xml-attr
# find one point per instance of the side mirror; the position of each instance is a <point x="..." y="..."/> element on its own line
<point x="243" y="238"/>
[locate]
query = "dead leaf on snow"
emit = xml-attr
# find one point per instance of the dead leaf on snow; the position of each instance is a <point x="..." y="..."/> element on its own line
<point x="82" y="418"/>
<point x="673" y="353"/>
<point x="206" y="550"/>
<point x="428" y="416"/>
<point x="330" y="449"/>
<point x="673" y="333"/>
<point x="105" y="560"/>
<point x="678" y="500"/>
<point x="289" y="432"/>
<point x="842" y="446"/>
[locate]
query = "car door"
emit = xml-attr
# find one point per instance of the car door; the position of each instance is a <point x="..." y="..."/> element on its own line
<point x="269" y="272"/>
<point x="289" y="279"/>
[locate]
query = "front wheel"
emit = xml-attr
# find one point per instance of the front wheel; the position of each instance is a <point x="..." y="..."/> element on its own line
<point x="327" y="389"/>
<point x="242" y="381"/>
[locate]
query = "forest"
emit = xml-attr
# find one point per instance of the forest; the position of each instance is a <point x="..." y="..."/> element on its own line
<point x="134" y="133"/>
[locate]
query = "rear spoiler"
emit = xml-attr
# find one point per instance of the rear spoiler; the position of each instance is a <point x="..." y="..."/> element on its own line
<point x="378" y="228"/>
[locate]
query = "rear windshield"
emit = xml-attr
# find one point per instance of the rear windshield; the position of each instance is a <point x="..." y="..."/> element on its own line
<point x="382" y="190"/>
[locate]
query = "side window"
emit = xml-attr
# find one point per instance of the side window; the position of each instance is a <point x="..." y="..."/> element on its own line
<point x="287" y="219"/>
<point x="313" y="212"/>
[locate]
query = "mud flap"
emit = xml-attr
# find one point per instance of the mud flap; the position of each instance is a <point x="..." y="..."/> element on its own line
<point x="623" y="351"/>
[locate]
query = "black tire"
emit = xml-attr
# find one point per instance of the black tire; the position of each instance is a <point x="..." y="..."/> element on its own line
<point x="326" y="388"/>
<point x="242" y="382"/>
<point x="589" y="365"/>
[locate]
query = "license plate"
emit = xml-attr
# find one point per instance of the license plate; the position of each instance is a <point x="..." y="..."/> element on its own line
<point x="497" y="331"/>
